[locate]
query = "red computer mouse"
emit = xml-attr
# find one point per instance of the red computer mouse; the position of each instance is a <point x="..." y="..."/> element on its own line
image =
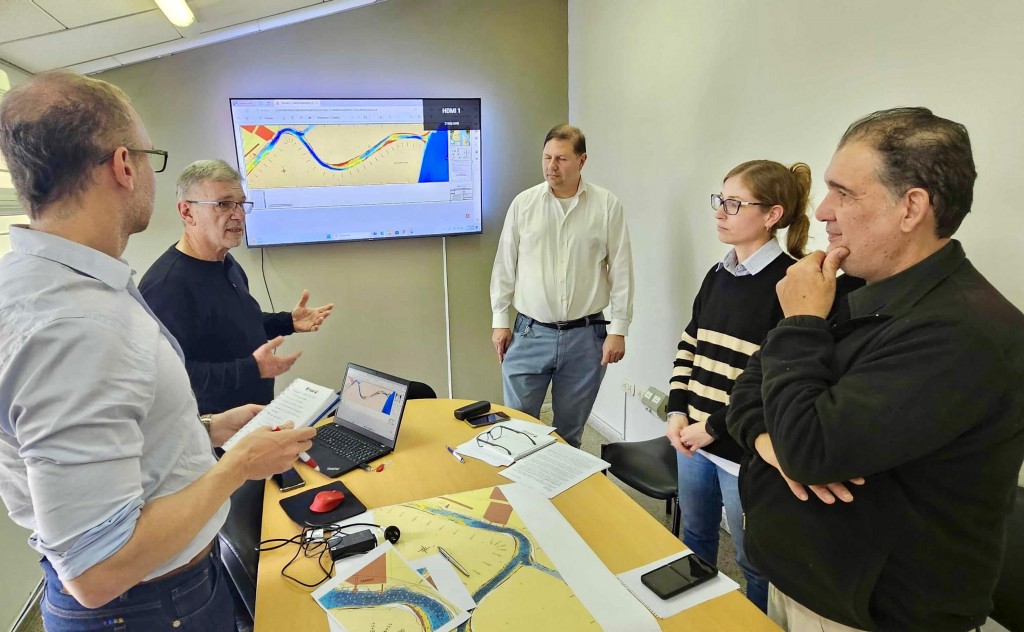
<point x="326" y="501"/>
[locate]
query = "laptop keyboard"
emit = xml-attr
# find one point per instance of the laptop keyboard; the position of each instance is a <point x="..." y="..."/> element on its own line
<point x="346" y="444"/>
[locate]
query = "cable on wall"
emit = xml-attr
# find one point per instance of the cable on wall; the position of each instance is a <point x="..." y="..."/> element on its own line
<point x="263" y="271"/>
<point x="447" y="313"/>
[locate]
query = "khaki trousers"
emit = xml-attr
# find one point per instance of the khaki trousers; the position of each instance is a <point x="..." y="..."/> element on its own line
<point x="793" y="617"/>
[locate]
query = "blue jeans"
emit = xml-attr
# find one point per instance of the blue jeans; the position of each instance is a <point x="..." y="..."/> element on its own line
<point x="197" y="600"/>
<point x="569" y="360"/>
<point x="704" y="488"/>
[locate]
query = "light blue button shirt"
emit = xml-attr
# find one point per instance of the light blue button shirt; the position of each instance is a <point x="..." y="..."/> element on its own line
<point x="97" y="416"/>
<point x="754" y="263"/>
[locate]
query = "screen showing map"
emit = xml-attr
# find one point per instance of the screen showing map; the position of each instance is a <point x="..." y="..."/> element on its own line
<point x="334" y="170"/>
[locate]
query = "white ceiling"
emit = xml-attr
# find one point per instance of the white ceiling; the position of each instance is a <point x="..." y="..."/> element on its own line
<point x="93" y="35"/>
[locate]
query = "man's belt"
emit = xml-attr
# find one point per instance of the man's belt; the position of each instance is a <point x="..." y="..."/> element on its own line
<point x="586" y="321"/>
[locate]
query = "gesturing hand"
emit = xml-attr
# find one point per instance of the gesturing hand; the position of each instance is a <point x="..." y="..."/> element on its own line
<point x="827" y="493"/>
<point x="809" y="286"/>
<point x="305" y="319"/>
<point x="273" y="365"/>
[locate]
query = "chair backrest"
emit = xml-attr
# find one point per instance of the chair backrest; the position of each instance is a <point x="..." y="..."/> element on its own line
<point x="420" y="390"/>
<point x="647" y="466"/>
<point x="1009" y="610"/>
<point x="239" y="538"/>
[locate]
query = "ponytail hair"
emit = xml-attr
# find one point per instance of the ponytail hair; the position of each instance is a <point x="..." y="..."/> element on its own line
<point x="789" y="187"/>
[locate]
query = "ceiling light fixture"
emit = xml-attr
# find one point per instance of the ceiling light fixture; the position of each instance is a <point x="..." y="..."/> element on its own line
<point x="177" y="12"/>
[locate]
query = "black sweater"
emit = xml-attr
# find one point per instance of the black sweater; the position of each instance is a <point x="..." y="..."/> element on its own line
<point x="208" y="308"/>
<point x="731" y="316"/>
<point x="915" y="384"/>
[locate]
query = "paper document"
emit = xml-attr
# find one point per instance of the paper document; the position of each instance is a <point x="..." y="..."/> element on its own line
<point x="472" y="450"/>
<point x="663" y="608"/>
<point x="512" y="442"/>
<point x="301" y="403"/>
<point x="443" y="576"/>
<point x="555" y="469"/>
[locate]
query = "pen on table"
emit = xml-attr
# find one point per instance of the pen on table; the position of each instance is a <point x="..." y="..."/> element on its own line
<point x="457" y="456"/>
<point x="451" y="559"/>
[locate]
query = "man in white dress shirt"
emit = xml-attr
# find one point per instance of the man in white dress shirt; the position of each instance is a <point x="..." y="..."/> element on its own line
<point x="562" y="259"/>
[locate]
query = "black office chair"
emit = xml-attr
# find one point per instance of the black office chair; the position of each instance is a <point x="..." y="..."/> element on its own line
<point x="420" y="390"/>
<point x="1009" y="610"/>
<point x="238" y="540"/>
<point x="648" y="467"/>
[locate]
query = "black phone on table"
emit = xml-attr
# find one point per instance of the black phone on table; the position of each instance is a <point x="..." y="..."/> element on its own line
<point x="677" y="576"/>
<point x="289" y="479"/>
<point x="487" y="419"/>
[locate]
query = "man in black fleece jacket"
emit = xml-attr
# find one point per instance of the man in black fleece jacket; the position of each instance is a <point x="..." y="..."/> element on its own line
<point x="909" y="387"/>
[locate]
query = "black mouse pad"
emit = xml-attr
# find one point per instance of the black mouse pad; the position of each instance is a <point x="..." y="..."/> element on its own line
<point x="297" y="506"/>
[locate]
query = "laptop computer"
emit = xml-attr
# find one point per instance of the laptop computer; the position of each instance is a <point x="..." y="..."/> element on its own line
<point x="366" y="424"/>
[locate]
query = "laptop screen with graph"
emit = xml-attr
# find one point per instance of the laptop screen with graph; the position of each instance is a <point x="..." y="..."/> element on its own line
<point x="372" y="404"/>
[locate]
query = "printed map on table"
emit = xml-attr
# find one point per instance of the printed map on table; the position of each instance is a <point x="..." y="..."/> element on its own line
<point x="513" y="581"/>
<point x="380" y="591"/>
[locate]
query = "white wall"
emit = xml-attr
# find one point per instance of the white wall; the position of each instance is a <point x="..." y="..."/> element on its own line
<point x="389" y="296"/>
<point x="673" y="94"/>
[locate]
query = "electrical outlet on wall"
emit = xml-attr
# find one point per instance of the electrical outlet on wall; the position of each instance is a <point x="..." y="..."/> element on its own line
<point x="628" y="388"/>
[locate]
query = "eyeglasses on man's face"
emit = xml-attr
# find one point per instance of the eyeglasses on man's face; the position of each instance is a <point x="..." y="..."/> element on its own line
<point x="225" y="206"/>
<point x="731" y="206"/>
<point x="157" y="157"/>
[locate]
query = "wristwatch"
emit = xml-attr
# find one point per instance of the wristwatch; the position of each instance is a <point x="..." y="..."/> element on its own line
<point x="206" y="420"/>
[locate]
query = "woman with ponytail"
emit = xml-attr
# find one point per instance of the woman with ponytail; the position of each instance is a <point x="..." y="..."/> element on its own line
<point x="732" y="313"/>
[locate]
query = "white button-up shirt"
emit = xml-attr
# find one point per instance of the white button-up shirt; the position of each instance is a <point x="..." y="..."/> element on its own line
<point x="555" y="265"/>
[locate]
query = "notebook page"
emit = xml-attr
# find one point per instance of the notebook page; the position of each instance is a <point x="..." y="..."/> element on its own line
<point x="302" y="403"/>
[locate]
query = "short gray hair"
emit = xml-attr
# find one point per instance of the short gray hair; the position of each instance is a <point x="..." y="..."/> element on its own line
<point x="213" y="169"/>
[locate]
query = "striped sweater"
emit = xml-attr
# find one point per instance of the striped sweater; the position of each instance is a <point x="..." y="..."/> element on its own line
<point x="731" y="317"/>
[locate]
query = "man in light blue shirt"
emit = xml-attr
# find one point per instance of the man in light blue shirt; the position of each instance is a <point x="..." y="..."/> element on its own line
<point x="102" y="453"/>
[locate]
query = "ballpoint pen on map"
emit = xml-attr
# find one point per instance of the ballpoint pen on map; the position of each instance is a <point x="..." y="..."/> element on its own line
<point x="308" y="460"/>
<point x="458" y="457"/>
<point x="451" y="559"/>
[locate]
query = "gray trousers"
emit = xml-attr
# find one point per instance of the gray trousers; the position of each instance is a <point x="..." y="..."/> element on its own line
<point x="568" y="360"/>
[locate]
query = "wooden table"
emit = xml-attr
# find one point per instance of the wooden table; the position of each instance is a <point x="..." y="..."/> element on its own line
<point x="619" y="531"/>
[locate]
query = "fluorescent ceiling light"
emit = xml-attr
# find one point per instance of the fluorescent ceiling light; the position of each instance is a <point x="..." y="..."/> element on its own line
<point x="177" y="12"/>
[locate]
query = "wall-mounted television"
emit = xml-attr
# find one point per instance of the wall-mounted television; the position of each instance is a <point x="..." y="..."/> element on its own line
<point x="336" y="170"/>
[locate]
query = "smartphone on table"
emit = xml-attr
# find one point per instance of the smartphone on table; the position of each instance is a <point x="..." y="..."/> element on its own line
<point x="679" y="575"/>
<point x="486" y="419"/>
<point x="289" y="479"/>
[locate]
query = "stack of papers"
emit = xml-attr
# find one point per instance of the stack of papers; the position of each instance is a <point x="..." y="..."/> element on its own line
<point x="554" y="470"/>
<point x="550" y="471"/>
<point x="493" y="456"/>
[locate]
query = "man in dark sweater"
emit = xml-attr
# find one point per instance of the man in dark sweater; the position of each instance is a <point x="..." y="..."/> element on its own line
<point x="909" y="387"/>
<point x="201" y="294"/>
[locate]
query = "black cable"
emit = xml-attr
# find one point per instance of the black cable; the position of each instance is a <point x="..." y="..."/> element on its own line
<point x="310" y="548"/>
<point x="263" y="271"/>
